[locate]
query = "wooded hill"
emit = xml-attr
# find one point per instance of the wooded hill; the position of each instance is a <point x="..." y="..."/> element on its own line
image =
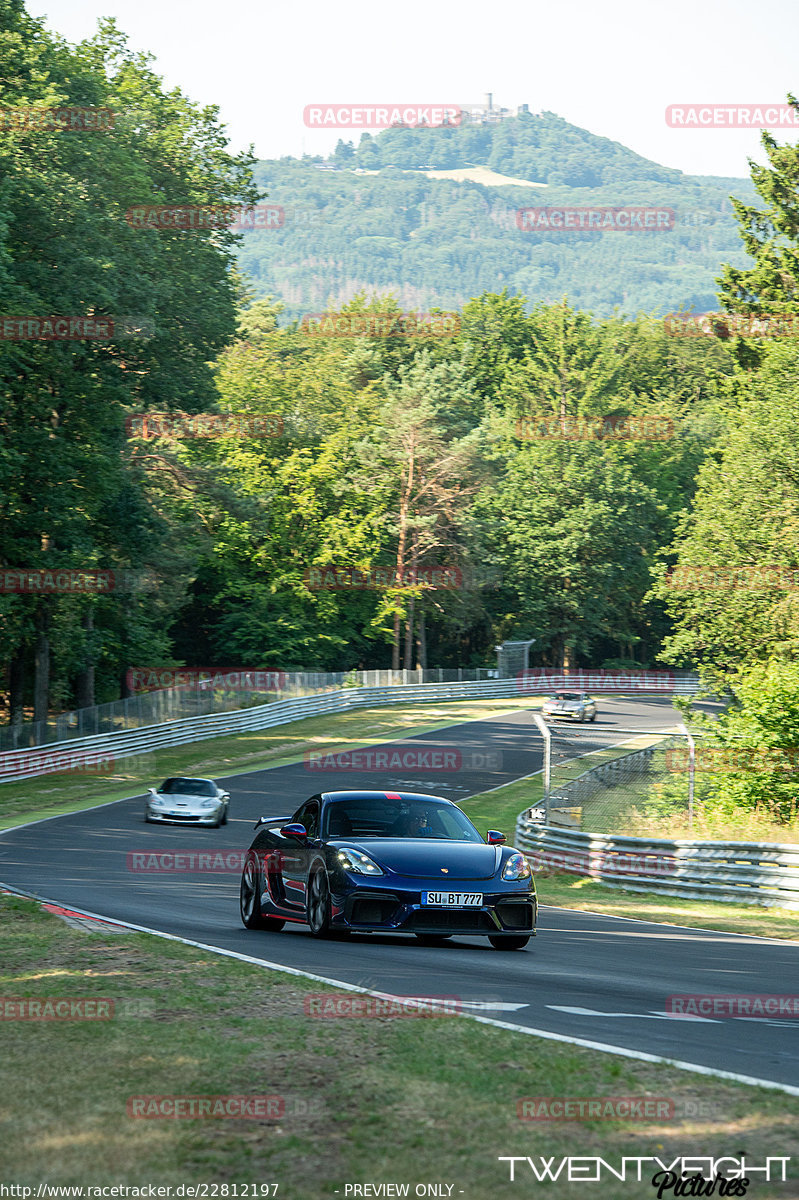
<point x="370" y="218"/>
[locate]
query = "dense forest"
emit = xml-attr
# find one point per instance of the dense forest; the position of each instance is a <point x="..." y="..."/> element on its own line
<point x="371" y="218"/>
<point x="416" y="461"/>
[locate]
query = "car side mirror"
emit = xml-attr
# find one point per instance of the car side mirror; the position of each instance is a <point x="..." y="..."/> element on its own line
<point x="495" y="838"/>
<point x="295" y="831"/>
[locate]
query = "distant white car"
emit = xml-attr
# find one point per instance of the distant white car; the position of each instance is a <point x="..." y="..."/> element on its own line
<point x="181" y="801"/>
<point x="572" y="706"/>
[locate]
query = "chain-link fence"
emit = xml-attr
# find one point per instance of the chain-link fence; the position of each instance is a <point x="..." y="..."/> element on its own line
<point x="178" y="703"/>
<point x="668" y="784"/>
<point x="620" y="789"/>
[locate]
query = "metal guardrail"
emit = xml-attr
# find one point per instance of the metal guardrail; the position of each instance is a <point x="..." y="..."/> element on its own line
<point x="763" y="873"/>
<point x="176" y="703"/>
<point x="40" y="760"/>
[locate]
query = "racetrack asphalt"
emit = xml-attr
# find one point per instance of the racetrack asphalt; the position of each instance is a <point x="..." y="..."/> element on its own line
<point x="584" y="976"/>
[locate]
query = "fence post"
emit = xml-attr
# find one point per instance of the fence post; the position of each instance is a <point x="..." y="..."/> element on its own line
<point x="546" y="734"/>
<point x="691" y="774"/>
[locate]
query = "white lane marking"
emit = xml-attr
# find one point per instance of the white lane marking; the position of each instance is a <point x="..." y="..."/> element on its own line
<point x="493" y="1005"/>
<point x="725" y="933"/>
<point x="546" y="1034"/>
<point x="652" y="1015"/>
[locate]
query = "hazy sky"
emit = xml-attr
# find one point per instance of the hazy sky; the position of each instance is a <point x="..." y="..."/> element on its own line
<point x="611" y="67"/>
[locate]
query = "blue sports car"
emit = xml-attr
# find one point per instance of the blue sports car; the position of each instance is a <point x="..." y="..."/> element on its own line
<point x="387" y="862"/>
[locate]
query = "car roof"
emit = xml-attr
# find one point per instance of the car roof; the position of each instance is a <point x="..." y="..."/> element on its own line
<point x="387" y="795"/>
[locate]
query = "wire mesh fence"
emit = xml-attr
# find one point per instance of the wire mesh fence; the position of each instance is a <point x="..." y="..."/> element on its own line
<point x="654" y="784"/>
<point x="215" y="696"/>
<point x="617" y="789"/>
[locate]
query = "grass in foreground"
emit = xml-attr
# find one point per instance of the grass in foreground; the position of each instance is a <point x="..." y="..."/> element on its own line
<point x="51" y="795"/>
<point x="383" y="1100"/>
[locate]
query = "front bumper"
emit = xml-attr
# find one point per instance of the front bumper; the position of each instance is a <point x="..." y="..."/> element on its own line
<point x="400" y="910"/>
<point x="205" y="817"/>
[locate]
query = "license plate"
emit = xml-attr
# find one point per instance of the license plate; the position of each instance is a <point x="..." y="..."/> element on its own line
<point x="452" y="899"/>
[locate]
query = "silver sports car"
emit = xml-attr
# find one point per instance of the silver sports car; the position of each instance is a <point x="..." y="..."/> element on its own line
<point x="182" y="801"/>
<point x="574" y="706"/>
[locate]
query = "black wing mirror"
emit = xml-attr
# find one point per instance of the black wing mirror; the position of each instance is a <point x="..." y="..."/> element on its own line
<point x="495" y="838"/>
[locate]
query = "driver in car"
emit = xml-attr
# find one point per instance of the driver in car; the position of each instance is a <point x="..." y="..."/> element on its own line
<point x="414" y="824"/>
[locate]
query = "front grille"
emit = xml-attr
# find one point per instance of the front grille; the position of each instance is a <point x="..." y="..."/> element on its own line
<point x="515" y="914"/>
<point x="182" y="817"/>
<point x="456" y="920"/>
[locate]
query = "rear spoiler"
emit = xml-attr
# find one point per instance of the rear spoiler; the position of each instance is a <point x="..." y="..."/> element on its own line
<point x="269" y="821"/>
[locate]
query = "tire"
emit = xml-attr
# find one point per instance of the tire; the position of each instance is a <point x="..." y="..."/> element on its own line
<point x="504" y="941"/>
<point x="582" y="716"/>
<point x="433" y="939"/>
<point x="318" y="904"/>
<point x="224" y="816"/>
<point x="250" y="899"/>
<point x="593" y="718"/>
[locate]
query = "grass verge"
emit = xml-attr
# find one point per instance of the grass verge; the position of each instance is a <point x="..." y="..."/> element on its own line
<point x="403" y="1101"/>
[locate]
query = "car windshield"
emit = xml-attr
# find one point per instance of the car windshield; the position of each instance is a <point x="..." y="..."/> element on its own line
<point x="567" y="696"/>
<point x="380" y="818"/>
<point x="188" y="787"/>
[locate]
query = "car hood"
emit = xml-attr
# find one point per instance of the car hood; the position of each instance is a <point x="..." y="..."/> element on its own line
<point x="565" y="704"/>
<point x="182" y="801"/>
<point x="426" y="857"/>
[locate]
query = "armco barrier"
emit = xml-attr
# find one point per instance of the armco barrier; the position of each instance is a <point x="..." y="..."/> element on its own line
<point x="763" y="873"/>
<point x="263" y="716"/>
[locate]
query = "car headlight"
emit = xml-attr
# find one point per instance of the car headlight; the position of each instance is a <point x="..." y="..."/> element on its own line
<point x="357" y="862"/>
<point x="157" y="800"/>
<point x="210" y="803"/>
<point x="517" y="867"/>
